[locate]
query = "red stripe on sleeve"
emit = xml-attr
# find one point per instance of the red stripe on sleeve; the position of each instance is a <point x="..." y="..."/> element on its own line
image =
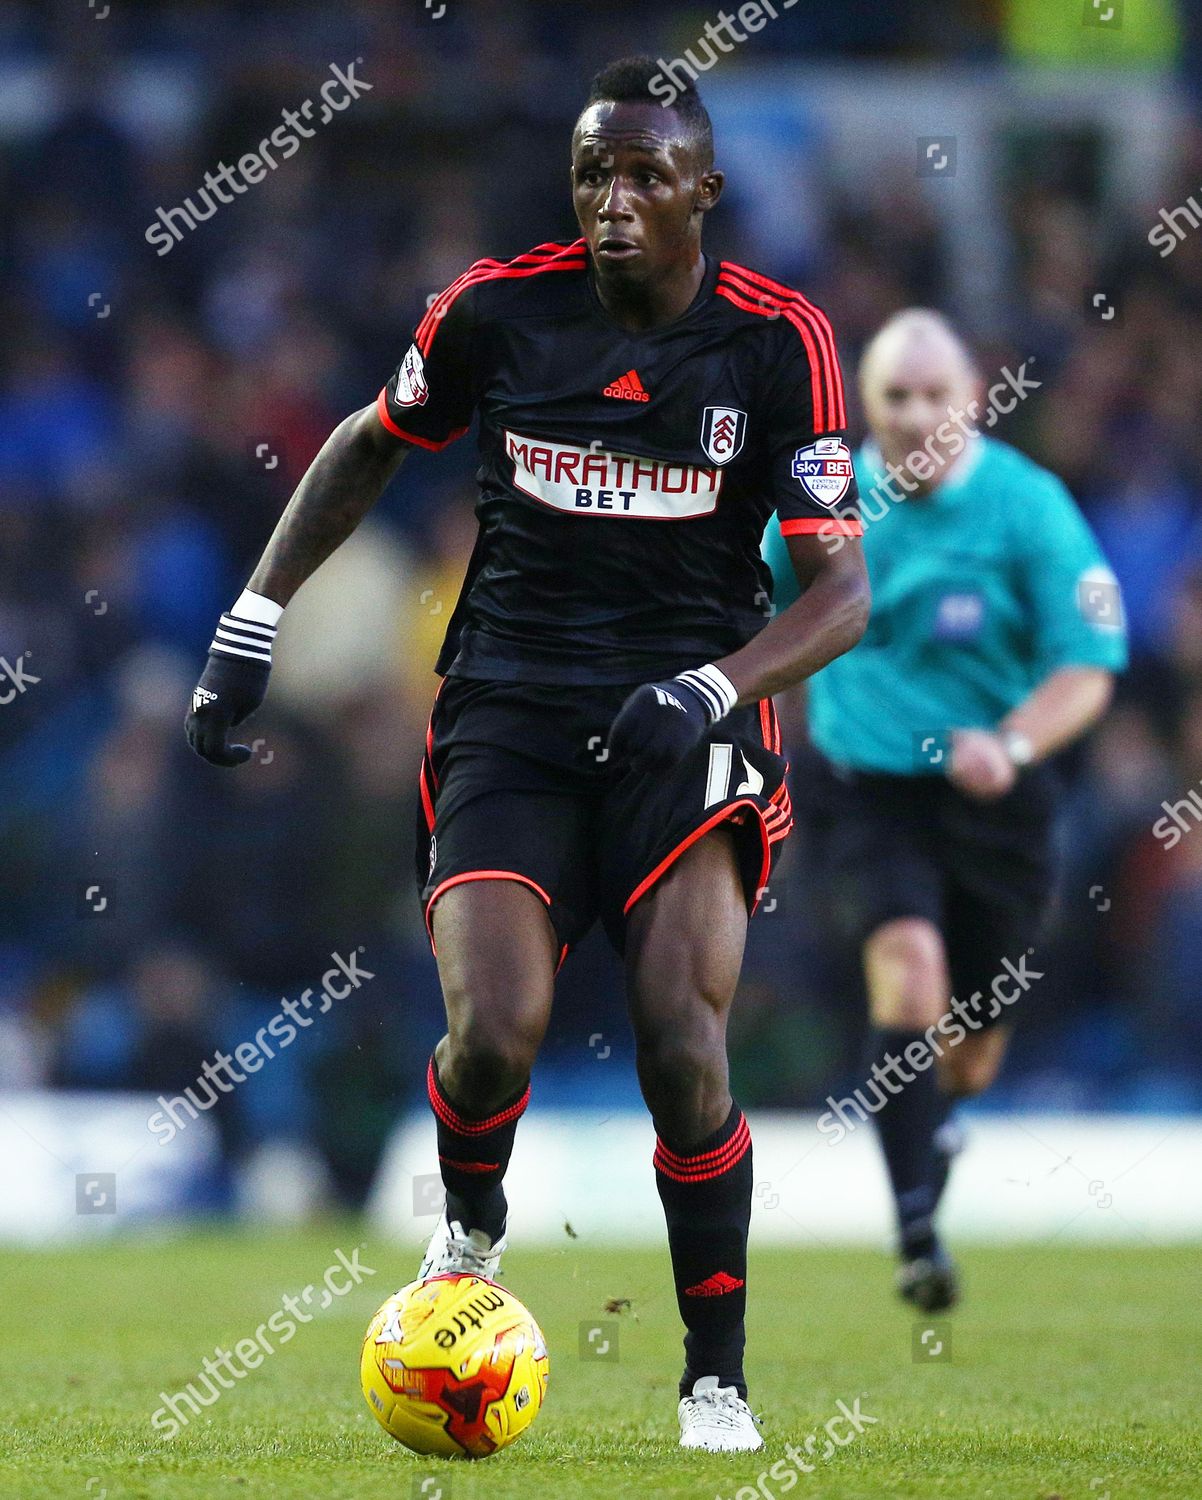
<point x="412" y="437"/>
<point x="822" y="526"/>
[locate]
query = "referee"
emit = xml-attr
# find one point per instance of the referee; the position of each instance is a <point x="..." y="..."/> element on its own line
<point x="995" y="633"/>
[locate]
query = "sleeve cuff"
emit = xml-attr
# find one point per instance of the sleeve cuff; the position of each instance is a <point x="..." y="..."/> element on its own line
<point x="432" y="444"/>
<point x="822" y="526"/>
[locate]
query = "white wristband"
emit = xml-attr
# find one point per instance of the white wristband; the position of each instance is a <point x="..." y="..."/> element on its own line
<point x="714" y="689"/>
<point x="248" y="630"/>
<point x="257" y="607"/>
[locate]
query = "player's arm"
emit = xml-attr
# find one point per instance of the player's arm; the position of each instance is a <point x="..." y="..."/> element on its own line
<point x="1060" y="709"/>
<point x="339" y="487"/>
<point x="1077" y="627"/>
<point x="828" y="619"/>
<point x="1063" y="707"/>
<point x="814" y="492"/>
<point x="427" y="402"/>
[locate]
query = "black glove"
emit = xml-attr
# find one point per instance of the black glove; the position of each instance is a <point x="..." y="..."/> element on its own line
<point x="661" y="722"/>
<point x="232" y="685"/>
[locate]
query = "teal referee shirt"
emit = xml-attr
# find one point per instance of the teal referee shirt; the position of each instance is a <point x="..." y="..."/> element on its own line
<point x="980" y="590"/>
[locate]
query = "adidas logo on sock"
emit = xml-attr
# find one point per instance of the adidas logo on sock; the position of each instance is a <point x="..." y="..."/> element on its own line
<point x="716" y="1285"/>
<point x="627" y="387"/>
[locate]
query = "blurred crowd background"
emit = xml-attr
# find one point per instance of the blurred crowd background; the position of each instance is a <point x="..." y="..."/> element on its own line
<point x="155" y="413"/>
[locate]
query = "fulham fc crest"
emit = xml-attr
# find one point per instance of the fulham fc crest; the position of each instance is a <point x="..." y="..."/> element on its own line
<point x="723" y="429"/>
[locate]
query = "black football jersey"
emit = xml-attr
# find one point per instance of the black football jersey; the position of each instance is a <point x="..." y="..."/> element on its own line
<point x="625" y="478"/>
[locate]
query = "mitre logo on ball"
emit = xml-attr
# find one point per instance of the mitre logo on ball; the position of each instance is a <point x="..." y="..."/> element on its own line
<point x="824" y="470"/>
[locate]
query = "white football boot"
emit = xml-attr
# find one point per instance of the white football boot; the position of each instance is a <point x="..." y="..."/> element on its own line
<point x="715" y="1417"/>
<point x="453" y="1250"/>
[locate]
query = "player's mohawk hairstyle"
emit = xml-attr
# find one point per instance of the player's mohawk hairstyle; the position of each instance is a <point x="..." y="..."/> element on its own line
<point x="643" y="79"/>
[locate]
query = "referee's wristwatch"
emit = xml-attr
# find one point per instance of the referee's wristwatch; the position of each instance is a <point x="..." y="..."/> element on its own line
<point x="1018" y="747"/>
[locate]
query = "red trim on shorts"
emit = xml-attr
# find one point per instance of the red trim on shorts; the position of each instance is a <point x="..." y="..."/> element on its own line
<point x="823" y="526"/>
<point x="427" y="800"/>
<point x="707" y="1164"/>
<point x="412" y="437"/>
<point x="428" y="763"/>
<point x="471" y="1166"/>
<point x="450" y="1117"/>
<point x="770" y="732"/>
<point x="723" y="813"/>
<point x="487" y="875"/>
<point x="479" y="875"/>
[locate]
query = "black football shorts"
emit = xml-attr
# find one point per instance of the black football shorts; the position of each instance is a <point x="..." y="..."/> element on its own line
<point x="914" y="846"/>
<point x="516" y="784"/>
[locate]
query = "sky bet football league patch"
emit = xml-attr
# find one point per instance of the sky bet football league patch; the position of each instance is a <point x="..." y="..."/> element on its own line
<point x="824" y="470"/>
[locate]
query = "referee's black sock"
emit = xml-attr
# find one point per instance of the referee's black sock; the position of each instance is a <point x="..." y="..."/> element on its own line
<point x="906" y="1124"/>
<point x="706" y="1192"/>
<point x="948" y="1139"/>
<point x="473" y="1153"/>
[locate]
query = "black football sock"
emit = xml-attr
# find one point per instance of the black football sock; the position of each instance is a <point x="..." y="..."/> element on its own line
<point x="473" y="1153"/>
<point x="706" y="1192"/>
<point x="906" y="1123"/>
<point x="948" y="1140"/>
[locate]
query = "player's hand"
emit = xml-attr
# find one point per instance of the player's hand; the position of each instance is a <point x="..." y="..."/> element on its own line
<point x="234" y="682"/>
<point x="980" y="766"/>
<point x="662" y="721"/>
<point x="229" y="690"/>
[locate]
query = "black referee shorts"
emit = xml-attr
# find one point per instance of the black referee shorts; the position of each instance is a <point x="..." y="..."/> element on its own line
<point x="516" y="784"/>
<point x="914" y="846"/>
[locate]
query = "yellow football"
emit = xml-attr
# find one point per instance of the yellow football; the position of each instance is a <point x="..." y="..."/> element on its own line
<point x="454" y="1366"/>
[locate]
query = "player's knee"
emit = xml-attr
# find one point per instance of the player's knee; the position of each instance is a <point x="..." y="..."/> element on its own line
<point x="683" y="1076"/>
<point x="906" y="969"/>
<point x="486" y="1062"/>
<point x="682" y="1059"/>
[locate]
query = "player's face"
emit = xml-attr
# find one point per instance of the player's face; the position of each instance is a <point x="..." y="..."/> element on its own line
<point x="913" y="393"/>
<point x="638" y="190"/>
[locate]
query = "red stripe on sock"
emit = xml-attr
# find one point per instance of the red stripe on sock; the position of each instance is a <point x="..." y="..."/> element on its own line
<point x="707" y="1164"/>
<point x="446" y="1112"/>
<point x="470" y="1166"/>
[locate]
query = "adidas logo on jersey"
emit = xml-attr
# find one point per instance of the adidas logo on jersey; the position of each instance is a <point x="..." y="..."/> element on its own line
<point x="627" y="387"/>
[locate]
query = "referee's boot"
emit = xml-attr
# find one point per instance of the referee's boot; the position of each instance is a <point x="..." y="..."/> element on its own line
<point x="930" y="1280"/>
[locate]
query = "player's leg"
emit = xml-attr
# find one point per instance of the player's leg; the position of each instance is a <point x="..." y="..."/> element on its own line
<point x="497" y="954"/>
<point x="682" y="860"/>
<point x="872" y="839"/>
<point x="684" y="949"/>
<point x="906" y="973"/>
<point x="505" y="891"/>
<point x="970" y="1067"/>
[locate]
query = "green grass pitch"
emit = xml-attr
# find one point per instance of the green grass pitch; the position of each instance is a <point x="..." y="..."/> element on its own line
<point x="1073" y="1373"/>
